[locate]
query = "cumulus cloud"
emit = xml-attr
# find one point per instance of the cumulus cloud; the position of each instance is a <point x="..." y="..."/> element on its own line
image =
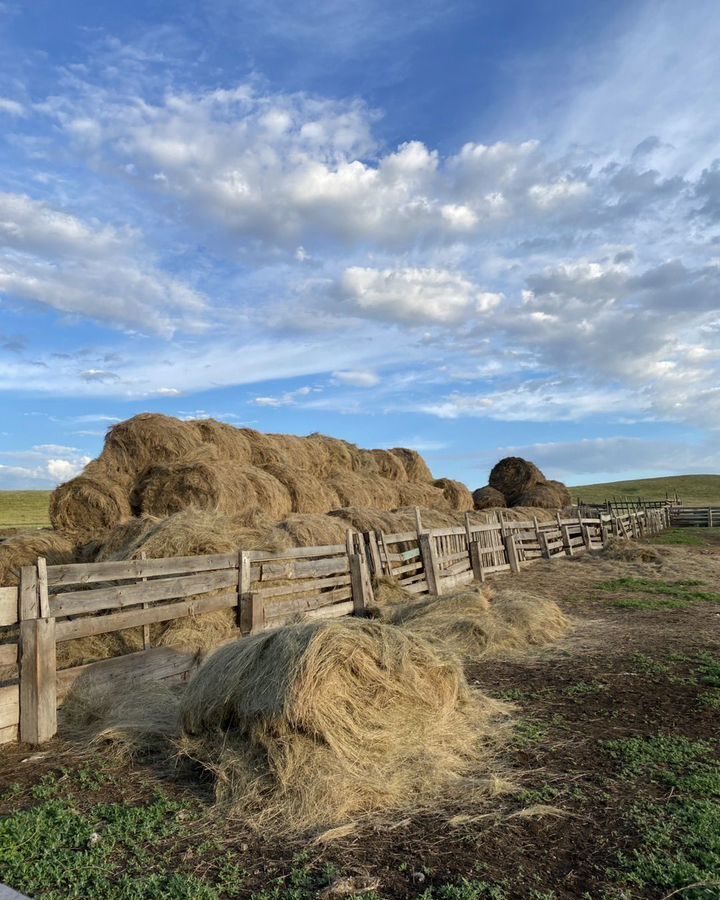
<point x="11" y="107"/>
<point x="357" y="378"/>
<point x="43" y="465"/>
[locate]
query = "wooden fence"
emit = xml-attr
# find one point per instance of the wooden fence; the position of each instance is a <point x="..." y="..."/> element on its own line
<point x="695" y="516"/>
<point x="56" y="604"/>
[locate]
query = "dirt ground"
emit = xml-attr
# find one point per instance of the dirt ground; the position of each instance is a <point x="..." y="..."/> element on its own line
<point x="615" y="756"/>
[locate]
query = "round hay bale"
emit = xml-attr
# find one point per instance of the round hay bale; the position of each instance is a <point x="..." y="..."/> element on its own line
<point x="23" y="550"/>
<point x="564" y="495"/>
<point x="312" y="724"/>
<point x="488" y="498"/>
<point x="541" y="496"/>
<point x="335" y="454"/>
<point x="243" y="492"/>
<point x="356" y="489"/>
<point x="307" y="493"/>
<point x="229" y="443"/>
<point x="456" y="495"/>
<point x="265" y="450"/>
<point x="90" y="504"/>
<point x="362" y="518"/>
<point x="390" y="465"/>
<point x="307" y="530"/>
<point x="416" y="468"/>
<point x="514" y="476"/>
<point x="148" y="439"/>
<point x="417" y="494"/>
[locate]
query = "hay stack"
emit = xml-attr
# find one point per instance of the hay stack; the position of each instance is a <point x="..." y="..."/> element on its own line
<point x="417" y="494"/>
<point x="415" y="466"/>
<point x="146" y="440"/>
<point x="542" y="495"/>
<point x="357" y="489"/>
<point x="228" y="442"/>
<point x="23" y="550"/>
<point x="563" y="493"/>
<point x="91" y="503"/>
<point x="315" y="723"/>
<point x="307" y="493"/>
<point x="214" y="485"/>
<point x="514" y="476"/>
<point x="456" y="495"/>
<point x="306" y="530"/>
<point x="390" y="465"/>
<point x="488" y="498"/>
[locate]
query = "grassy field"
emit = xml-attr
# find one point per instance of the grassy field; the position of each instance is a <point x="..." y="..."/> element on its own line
<point x="614" y="755"/>
<point x="24" y="509"/>
<point x="693" y="490"/>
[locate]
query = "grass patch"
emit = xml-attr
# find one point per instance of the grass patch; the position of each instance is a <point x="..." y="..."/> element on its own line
<point x="693" y="490"/>
<point x="663" y="595"/>
<point x="24" y="509"/>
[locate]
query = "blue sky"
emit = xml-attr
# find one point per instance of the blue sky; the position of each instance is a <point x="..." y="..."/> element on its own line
<point x="474" y="228"/>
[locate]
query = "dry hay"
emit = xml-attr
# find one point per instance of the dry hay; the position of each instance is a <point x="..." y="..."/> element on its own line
<point x="416" y="468"/>
<point x="390" y="465"/>
<point x="514" y="476"/>
<point x="23" y="550"/>
<point x="229" y="443"/>
<point x="564" y="495"/>
<point x="148" y="439"/>
<point x="456" y="495"/>
<point x="474" y="628"/>
<point x="416" y="494"/>
<point x="312" y="724"/>
<point x="542" y="495"/>
<point x="626" y="551"/>
<point x="307" y="493"/>
<point x="305" y="530"/>
<point x="91" y="503"/>
<point x="214" y="485"/>
<point x="488" y="498"/>
<point x="357" y="489"/>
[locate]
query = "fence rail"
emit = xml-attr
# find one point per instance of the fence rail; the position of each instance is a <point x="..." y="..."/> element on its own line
<point x="56" y="604"/>
<point x="695" y="516"/>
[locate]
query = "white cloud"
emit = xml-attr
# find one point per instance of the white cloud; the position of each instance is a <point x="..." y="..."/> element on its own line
<point x="357" y="378"/>
<point x="43" y="465"/>
<point x="11" y="107"/>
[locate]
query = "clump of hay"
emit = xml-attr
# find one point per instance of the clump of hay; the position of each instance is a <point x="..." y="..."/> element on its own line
<point x="457" y="496"/>
<point x="230" y="443"/>
<point x="415" y="466"/>
<point x="148" y="439"/>
<point x="307" y="493"/>
<point x="357" y="489"/>
<point x="390" y="465"/>
<point x="564" y="495"/>
<point x="306" y="530"/>
<point x="624" y="551"/>
<point x="91" y="503"/>
<point x="421" y="494"/>
<point x="488" y="498"/>
<point x="312" y="724"/>
<point x="473" y="627"/>
<point x="542" y="495"/>
<point x="214" y="485"/>
<point x="23" y="550"/>
<point x="513" y="477"/>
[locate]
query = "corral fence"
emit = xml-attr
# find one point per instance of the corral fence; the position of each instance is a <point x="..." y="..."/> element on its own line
<point x="695" y="516"/>
<point x="55" y="604"/>
<point x="619" y="506"/>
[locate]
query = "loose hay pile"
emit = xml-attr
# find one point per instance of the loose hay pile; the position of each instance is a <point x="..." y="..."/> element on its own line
<point x="474" y="627"/>
<point x="23" y="550"/>
<point x="313" y="724"/>
<point x="518" y="482"/>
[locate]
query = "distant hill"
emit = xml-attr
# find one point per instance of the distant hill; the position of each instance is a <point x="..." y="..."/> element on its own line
<point x="24" y="509"/>
<point x="693" y="490"/>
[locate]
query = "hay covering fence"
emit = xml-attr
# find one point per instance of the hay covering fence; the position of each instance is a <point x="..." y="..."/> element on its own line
<point x="55" y="604"/>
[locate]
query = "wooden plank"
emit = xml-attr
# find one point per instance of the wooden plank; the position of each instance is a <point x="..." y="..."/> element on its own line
<point x="432" y="575"/>
<point x="418" y="520"/>
<point x="375" y="554"/>
<point x="304" y="569"/>
<point x="90" y="573"/>
<point x="404" y="557"/>
<point x="70" y="629"/>
<point x="456" y="569"/>
<point x="412" y="579"/>
<point x="451" y="558"/>
<point x="29" y="605"/>
<point x="43" y="602"/>
<point x="257" y="613"/>
<point x="476" y="562"/>
<point x="244" y="592"/>
<point x="456" y="580"/>
<point x="145" y="628"/>
<point x="9" y="706"/>
<point x="298" y="552"/>
<point x="9" y="734"/>
<point x="446" y="532"/>
<point x="402" y="537"/>
<point x="300" y="587"/>
<point x="83" y="602"/>
<point x="288" y="608"/>
<point x="38" y="704"/>
<point x="332" y="612"/>
<point x="8" y="654"/>
<point x="8" y="605"/>
<point x="154" y="664"/>
<point x="512" y="554"/>
<point x="360" y="597"/>
<point x="417" y="588"/>
<point x="409" y="567"/>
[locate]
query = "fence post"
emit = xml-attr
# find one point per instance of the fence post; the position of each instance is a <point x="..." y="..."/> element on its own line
<point x="250" y="619"/>
<point x="361" y="590"/>
<point x="512" y="553"/>
<point x="374" y="554"/>
<point x="38" y="693"/>
<point x="427" y="554"/>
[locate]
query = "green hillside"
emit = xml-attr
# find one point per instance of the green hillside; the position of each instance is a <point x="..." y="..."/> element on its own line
<point x="24" y="509"/>
<point x="693" y="490"/>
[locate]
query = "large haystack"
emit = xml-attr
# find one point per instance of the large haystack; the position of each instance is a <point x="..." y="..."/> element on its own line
<point x="514" y="476"/>
<point x="518" y="482"/>
<point x="456" y="495"/>
<point x="91" y="503"/>
<point x="415" y="466"/>
<point x="314" y="724"/>
<point x="542" y="495"/>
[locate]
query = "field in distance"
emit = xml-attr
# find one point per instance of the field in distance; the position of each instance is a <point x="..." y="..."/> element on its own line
<point x="24" y="509"/>
<point x="693" y="490"/>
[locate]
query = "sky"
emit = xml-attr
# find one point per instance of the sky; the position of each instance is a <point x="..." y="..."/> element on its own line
<point x="472" y="227"/>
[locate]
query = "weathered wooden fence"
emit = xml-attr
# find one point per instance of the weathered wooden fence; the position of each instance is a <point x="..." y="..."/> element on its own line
<point x="695" y="516"/>
<point x="56" y="604"/>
